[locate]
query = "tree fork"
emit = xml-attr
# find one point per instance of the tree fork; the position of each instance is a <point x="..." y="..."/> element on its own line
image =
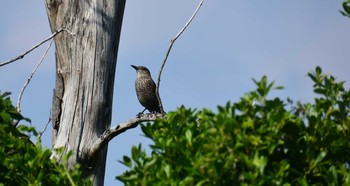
<point x="85" y="71"/>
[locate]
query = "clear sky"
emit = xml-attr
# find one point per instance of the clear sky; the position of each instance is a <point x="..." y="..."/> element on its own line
<point x="227" y="44"/>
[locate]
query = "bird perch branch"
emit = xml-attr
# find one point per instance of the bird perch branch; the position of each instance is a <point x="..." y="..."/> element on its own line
<point x="172" y="41"/>
<point x="34" y="47"/>
<point x="112" y="132"/>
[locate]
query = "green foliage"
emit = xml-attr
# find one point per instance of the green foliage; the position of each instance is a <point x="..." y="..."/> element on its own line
<point x="346" y="7"/>
<point x="22" y="162"/>
<point x="256" y="141"/>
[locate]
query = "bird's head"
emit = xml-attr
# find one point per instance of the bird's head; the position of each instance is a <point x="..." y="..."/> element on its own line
<point x="141" y="70"/>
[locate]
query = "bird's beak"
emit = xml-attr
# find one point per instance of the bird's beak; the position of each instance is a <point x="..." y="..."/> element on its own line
<point x="135" y="67"/>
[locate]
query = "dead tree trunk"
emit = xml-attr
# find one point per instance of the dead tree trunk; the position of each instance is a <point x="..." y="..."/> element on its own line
<point x="85" y="70"/>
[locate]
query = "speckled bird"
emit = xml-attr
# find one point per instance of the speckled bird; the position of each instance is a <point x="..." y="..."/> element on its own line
<point x="146" y="89"/>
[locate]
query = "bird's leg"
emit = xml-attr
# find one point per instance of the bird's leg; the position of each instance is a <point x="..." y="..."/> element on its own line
<point x="141" y="113"/>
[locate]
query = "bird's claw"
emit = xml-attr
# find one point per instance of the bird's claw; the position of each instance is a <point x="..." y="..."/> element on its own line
<point x="139" y="115"/>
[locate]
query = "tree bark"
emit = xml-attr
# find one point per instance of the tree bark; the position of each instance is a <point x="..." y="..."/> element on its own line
<point x="85" y="71"/>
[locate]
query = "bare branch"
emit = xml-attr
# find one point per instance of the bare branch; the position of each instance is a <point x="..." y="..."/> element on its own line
<point x="172" y="41"/>
<point x="30" y="77"/>
<point x="42" y="132"/>
<point x="34" y="47"/>
<point x="189" y="21"/>
<point x="112" y="132"/>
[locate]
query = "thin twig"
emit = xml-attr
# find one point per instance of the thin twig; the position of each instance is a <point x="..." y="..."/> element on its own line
<point x="31" y="76"/>
<point x="34" y="47"/>
<point x="172" y="41"/>
<point x="42" y="132"/>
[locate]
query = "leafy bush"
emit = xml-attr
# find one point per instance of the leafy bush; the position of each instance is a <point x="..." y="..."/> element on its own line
<point x="257" y="141"/>
<point x="22" y="162"/>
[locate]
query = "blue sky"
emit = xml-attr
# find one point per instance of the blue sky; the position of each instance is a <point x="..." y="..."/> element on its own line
<point x="227" y="44"/>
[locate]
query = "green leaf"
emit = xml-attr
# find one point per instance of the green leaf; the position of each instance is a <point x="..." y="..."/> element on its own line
<point x="126" y="161"/>
<point x="311" y="75"/>
<point x="346" y="7"/>
<point x="319" y="158"/>
<point x="318" y="70"/>
<point x="167" y="170"/>
<point x="147" y="130"/>
<point x="135" y="153"/>
<point x="189" y="136"/>
<point x="320" y="91"/>
<point x="279" y="88"/>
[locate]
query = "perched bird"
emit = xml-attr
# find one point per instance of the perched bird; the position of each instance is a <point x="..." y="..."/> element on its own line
<point x="146" y="89"/>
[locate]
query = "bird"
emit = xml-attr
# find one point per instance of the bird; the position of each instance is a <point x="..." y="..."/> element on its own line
<point x="146" y="90"/>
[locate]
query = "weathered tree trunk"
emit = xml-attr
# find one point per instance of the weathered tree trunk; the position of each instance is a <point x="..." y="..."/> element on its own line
<point x="85" y="71"/>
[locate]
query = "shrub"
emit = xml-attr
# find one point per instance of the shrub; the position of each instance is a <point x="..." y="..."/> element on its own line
<point x="22" y="162"/>
<point x="256" y="141"/>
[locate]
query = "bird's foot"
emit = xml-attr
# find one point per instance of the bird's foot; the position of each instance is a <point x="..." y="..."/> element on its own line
<point x="139" y="115"/>
<point x="158" y="114"/>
